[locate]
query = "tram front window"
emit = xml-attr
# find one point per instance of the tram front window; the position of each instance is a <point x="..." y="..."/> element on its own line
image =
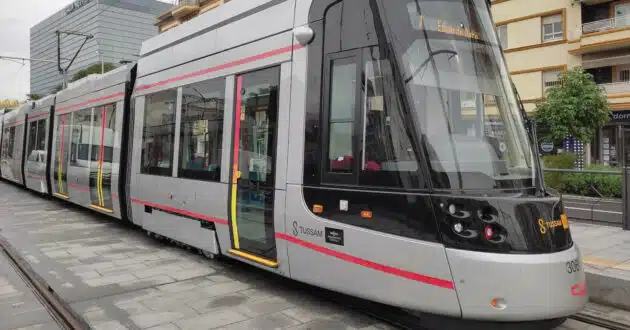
<point x="458" y="86"/>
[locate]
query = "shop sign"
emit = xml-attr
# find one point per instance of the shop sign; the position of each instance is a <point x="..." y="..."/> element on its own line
<point x="620" y="115"/>
<point x="76" y="5"/>
<point x="9" y="103"/>
<point x="546" y="146"/>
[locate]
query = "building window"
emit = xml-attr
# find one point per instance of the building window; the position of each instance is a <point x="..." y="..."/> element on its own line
<point x="503" y="37"/>
<point x="158" y="134"/>
<point x="552" y="28"/>
<point x="550" y="79"/>
<point x="201" y="137"/>
<point x="624" y="75"/>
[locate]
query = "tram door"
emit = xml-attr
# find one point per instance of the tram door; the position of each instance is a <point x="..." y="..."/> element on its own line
<point x="253" y="166"/>
<point x="61" y="155"/>
<point x="101" y="157"/>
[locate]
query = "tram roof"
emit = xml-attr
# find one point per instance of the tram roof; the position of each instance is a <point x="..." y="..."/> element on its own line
<point x="204" y="23"/>
<point x="17" y="113"/>
<point x="95" y="83"/>
<point x="44" y="102"/>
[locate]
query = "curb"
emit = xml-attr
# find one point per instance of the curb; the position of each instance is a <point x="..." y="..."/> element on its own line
<point x="608" y="291"/>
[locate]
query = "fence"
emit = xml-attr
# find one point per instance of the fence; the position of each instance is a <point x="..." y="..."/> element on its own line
<point x="599" y="208"/>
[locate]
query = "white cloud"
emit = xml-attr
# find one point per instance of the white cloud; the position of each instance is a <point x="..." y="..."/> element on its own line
<point x="16" y="20"/>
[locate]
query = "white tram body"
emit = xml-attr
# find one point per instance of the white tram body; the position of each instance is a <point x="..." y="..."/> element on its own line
<point x="340" y="143"/>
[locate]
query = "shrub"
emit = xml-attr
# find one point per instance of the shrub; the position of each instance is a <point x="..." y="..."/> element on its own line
<point x="555" y="180"/>
<point x="586" y="184"/>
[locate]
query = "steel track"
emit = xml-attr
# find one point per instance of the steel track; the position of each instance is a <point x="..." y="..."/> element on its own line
<point x="600" y="321"/>
<point x="58" y="310"/>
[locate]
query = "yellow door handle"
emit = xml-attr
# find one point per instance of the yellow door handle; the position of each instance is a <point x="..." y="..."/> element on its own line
<point x="238" y="174"/>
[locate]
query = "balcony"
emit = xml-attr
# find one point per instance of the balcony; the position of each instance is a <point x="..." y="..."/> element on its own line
<point x="185" y="8"/>
<point x="594" y="2"/>
<point x="622" y="87"/>
<point x="602" y="35"/>
<point x="606" y="24"/>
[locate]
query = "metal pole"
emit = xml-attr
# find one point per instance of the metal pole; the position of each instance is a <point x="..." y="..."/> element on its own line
<point x="625" y="216"/>
<point x="102" y="64"/>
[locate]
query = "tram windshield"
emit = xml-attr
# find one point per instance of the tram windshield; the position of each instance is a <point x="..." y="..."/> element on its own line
<point x="458" y="86"/>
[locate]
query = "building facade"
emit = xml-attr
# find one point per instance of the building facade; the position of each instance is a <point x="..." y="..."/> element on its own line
<point x="118" y="28"/>
<point x="542" y="38"/>
<point x="185" y="10"/>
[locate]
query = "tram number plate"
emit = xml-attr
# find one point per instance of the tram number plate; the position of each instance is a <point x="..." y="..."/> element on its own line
<point x="573" y="266"/>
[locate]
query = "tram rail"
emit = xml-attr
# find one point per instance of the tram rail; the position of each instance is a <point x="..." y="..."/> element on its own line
<point x="599" y="321"/>
<point x="61" y="313"/>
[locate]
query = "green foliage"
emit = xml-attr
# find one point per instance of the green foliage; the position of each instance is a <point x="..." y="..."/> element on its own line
<point x="588" y="184"/>
<point x="556" y="179"/>
<point x="93" y="69"/>
<point x="575" y="107"/>
<point x="33" y="97"/>
<point x="56" y="89"/>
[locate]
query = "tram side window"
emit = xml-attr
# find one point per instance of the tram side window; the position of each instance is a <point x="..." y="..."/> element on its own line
<point x="80" y="142"/>
<point x="32" y="139"/>
<point x="40" y="143"/>
<point x="388" y="157"/>
<point x="11" y="146"/>
<point x="201" y="136"/>
<point x="341" y="115"/>
<point x="5" y="143"/>
<point x="158" y="135"/>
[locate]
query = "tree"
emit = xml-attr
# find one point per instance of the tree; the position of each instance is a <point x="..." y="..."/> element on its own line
<point x="33" y="97"/>
<point x="575" y="107"/>
<point x="92" y="69"/>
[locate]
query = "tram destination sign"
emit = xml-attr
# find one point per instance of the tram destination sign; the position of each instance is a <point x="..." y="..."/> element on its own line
<point x="76" y="5"/>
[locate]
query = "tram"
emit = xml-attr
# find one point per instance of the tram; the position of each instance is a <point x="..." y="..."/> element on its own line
<point x="373" y="149"/>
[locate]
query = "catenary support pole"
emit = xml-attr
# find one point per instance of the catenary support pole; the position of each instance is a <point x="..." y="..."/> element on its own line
<point x="625" y="186"/>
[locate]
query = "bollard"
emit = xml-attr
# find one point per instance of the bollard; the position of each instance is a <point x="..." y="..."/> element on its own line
<point x="625" y="216"/>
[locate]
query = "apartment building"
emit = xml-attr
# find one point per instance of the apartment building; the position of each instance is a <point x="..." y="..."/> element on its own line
<point x="185" y="10"/>
<point x="541" y="38"/>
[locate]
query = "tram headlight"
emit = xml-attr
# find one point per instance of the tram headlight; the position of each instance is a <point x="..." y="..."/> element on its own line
<point x="458" y="227"/>
<point x="488" y="232"/>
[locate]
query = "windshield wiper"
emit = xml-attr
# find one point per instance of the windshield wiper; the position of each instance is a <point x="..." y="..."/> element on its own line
<point x="531" y="133"/>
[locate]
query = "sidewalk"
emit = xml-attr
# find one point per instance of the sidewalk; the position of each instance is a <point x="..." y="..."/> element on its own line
<point x="19" y="308"/>
<point x="606" y="256"/>
<point x="116" y="277"/>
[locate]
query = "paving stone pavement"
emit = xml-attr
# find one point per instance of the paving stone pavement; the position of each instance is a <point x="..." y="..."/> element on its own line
<point x="118" y="278"/>
<point x="19" y="307"/>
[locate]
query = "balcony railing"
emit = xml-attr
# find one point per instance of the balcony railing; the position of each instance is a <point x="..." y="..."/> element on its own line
<point x="617" y="87"/>
<point x="187" y="2"/>
<point x="606" y="24"/>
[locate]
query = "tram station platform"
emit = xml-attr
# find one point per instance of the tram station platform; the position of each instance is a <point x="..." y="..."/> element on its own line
<point x="606" y="257"/>
<point x="116" y="277"/>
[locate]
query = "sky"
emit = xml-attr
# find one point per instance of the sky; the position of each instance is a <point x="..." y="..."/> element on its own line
<point x="16" y="19"/>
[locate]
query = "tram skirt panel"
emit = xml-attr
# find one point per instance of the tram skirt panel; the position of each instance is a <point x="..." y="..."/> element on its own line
<point x="393" y="270"/>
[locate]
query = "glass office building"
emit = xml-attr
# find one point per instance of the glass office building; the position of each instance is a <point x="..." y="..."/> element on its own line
<point x="119" y="27"/>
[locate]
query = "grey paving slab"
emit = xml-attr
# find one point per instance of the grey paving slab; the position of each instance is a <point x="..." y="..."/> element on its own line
<point x="606" y="256"/>
<point x="118" y="278"/>
<point x="19" y="307"/>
